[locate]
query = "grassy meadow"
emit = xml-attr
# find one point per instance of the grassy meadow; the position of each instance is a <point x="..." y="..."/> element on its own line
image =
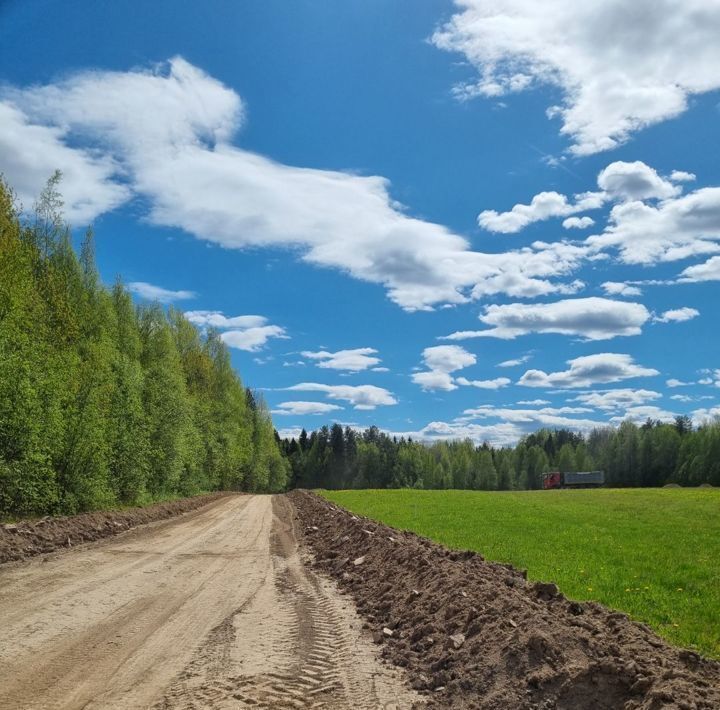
<point x="653" y="553"/>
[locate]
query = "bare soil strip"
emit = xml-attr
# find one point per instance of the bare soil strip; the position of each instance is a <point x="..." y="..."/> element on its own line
<point x="34" y="537"/>
<point x="473" y="634"/>
<point x="211" y="609"/>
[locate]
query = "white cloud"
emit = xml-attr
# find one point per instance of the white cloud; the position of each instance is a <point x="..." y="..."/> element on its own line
<point x="620" y="66"/>
<point x="591" y="318"/>
<point x="441" y="360"/>
<point x="515" y="362"/>
<point x="711" y="377"/>
<point x="589" y="370"/>
<point x="534" y="402"/>
<point x="703" y="416"/>
<point x="252" y="339"/>
<point x="641" y="414"/>
<point x="682" y="398"/>
<point x="578" y="222"/>
<point x="672" y="382"/>
<point x="30" y="154"/>
<point x="634" y="181"/>
<point x="615" y="399"/>
<point x="216" y="319"/>
<point x="168" y="132"/>
<point x="493" y="384"/>
<point x="352" y="360"/>
<point x="501" y="434"/>
<point x="434" y="380"/>
<point x="360" y="396"/>
<point x="709" y="271"/>
<point x="290" y="432"/>
<point x="674" y="229"/>
<point x="682" y="176"/>
<point x="156" y="293"/>
<point x="304" y="408"/>
<point x="619" y="182"/>
<point x="543" y="206"/>
<point x="619" y="288"/>
<point x="531" y="419"/>
<point x="249" y="333"/>
<point x="677" y="315"/>
<point x="447" y="358"/>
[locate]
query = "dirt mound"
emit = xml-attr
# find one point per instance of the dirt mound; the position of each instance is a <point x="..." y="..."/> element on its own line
<point x="672" y="485"/>
<point x="28" y="538"/>
<point x="474" y="634"/>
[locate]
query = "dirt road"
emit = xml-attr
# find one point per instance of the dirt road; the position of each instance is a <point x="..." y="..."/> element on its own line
<point x="214" y="609"/>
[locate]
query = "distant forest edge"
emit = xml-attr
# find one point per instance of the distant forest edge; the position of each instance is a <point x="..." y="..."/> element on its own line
<point x="103" y="403"/>
<point x="653" y="454"/>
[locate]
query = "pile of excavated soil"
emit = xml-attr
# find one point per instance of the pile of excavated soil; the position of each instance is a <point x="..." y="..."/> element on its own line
<point x="28" y="538"/>
<point x="474" y="634"/>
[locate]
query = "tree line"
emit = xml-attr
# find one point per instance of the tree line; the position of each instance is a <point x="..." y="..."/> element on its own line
<point x="652" y="454"/>
<point x="104" y="403"/>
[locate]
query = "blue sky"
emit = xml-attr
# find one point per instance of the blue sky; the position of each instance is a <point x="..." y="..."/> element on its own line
<point x="468" y="219"/>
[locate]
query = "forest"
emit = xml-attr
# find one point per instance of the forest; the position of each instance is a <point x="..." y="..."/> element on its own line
<point x="104" y="403"/>
<point x="653" y="454"/>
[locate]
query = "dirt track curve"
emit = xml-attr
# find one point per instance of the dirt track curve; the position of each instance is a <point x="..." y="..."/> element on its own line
<point x="212" y="609"/>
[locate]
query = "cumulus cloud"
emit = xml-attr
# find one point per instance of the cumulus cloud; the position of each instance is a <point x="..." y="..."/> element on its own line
<point x="620" y="66"/>
<point x="673" y="229"/>
<point x="578" y="222"/>
<point x="515" y="362"/>
<point x="639" y="415"/>
<point x="634" y="181"/>
<point x="650" y="221"/>
<point x="448" y="358"/>
<point x="250" y="333"/>
<point x="433" y="380"/>
<point x="150" y="292"/>
<point x="168" y="133"/>
<point x="587" y="371"/>
<point x="500" y="434"/>
<point x="217" y="319"/>
<point x="618" y="182"/>
<point x="619" y="288"/>
<point x="708" y="271"/>
<point x="494" y="384"/>
<point x="682" y="176"/>
<point x="304" y="408"/>
<point x="351" y="360"/>
<point x="703" y="416"/>
<point x="441" y="360"/>
<point x="674" y="382"/>
<point x="677" y="315"/>
<point x="615" y="399"/>
<point x="530" y="419"/>
<point x="360" y="396"/>
<point x="543" y="206"/>
<point x="591" y="318"/>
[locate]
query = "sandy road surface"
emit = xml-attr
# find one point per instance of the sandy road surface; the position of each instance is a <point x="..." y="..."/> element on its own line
<point x="211" y="610"/>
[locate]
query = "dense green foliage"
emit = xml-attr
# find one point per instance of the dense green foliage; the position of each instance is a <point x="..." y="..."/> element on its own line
<point x="649" y="455"/>
<point x="103" y="403"/>
<point x="649" y="552"/>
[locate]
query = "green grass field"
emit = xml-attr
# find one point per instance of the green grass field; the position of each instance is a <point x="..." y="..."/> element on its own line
<point x="653" y="553"/>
